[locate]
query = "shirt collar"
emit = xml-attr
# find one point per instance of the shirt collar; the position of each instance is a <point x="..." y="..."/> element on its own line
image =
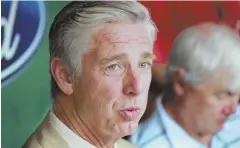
<point x="73" y="140"/>
<point x="176" y="135"/>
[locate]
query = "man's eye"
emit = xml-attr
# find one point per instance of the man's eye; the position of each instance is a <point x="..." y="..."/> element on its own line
<point x="225" y="95"/>
<point x="144" y="65"/>
<point x="222" y="95"/>
<point x="114" y="69"/>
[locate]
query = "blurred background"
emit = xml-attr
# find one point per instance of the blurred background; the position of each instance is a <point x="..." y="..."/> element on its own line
<point x="25" y="79"/>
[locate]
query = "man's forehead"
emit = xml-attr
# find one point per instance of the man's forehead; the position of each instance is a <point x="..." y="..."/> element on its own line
<point x="123" y="32"/>
<point x="118" y="38"/>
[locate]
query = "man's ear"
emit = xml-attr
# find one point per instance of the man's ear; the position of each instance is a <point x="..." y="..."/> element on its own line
<point x="61" y="76"/>
<point x="178" y="82"/>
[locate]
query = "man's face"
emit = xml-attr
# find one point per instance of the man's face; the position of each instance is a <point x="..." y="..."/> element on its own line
<point x="111" y="93"/>
<point x="208" y="105"/>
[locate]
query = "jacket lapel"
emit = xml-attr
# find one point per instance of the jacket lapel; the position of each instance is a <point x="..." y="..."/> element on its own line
<point x="47" y="137"/>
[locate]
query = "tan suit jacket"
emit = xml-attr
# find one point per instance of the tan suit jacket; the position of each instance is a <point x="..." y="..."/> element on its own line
<point x="47" y="137"/>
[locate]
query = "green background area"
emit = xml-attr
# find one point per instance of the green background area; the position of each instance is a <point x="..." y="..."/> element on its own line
<point x="26" y="100"/>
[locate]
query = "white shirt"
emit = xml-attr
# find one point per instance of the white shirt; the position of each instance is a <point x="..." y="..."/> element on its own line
<point x="72" y="139"/>
<point x="161" y="131"/>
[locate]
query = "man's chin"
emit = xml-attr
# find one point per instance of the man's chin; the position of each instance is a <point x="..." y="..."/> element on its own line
<point x="220" y="127"/>
<point x="216" y="128"/>
<point x="128" y="128"/>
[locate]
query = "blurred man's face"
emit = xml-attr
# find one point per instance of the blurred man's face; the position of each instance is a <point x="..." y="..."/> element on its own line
<point x="208" y="105"/>
<point x="111" y="94"/>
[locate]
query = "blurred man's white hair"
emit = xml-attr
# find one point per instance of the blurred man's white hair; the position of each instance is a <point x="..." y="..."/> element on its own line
<point x="204" y="50"/>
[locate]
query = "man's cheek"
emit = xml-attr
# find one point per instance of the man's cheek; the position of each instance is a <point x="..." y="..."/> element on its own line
<point x="112" y="93"/>
<point x="145" y="81"/>
<point x="114" y="85"/>
<point x="103" y="85"/>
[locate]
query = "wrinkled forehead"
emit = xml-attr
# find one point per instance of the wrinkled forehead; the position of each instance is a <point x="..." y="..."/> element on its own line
<point x="120" y="37"/>
<point x="123" y="33"/>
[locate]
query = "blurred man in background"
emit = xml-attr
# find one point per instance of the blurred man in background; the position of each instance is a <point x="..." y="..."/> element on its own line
<point x="201" y="93"/>
<point x="101" y="56"/>
<point x="171" y="18"/>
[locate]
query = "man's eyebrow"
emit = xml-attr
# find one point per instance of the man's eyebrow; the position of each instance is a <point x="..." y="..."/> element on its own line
<point x="112" y="58"/>
<point x="149" y="55"/>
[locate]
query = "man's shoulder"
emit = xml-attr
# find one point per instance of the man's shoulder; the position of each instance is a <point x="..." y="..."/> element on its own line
<point x="32" y="142"/>
<point x="125" y="144"/>
<point x="45" y="136"/>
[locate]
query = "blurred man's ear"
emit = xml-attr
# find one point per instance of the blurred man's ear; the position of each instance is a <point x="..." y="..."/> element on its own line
<point x="61" y="76"/>
<point x="178" y="82"/>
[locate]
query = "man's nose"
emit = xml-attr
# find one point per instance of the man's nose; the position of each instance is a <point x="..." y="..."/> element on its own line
<point x="229" y="110"/>
<point x="131" y="83"/>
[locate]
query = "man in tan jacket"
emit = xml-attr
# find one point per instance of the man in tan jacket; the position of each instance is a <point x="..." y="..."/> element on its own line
<point x="100" y="62"/>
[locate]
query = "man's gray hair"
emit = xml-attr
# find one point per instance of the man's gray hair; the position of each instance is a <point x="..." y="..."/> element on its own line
<point x="72" y="28"/>
<point x="204" y="50"/>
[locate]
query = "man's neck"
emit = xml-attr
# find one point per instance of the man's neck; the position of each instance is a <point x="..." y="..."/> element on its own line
<point x="175" y="112"/>
<point x="66" y="113"/>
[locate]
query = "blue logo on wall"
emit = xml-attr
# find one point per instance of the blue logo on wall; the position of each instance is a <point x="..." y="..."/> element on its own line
<point x="23" y="25"/>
